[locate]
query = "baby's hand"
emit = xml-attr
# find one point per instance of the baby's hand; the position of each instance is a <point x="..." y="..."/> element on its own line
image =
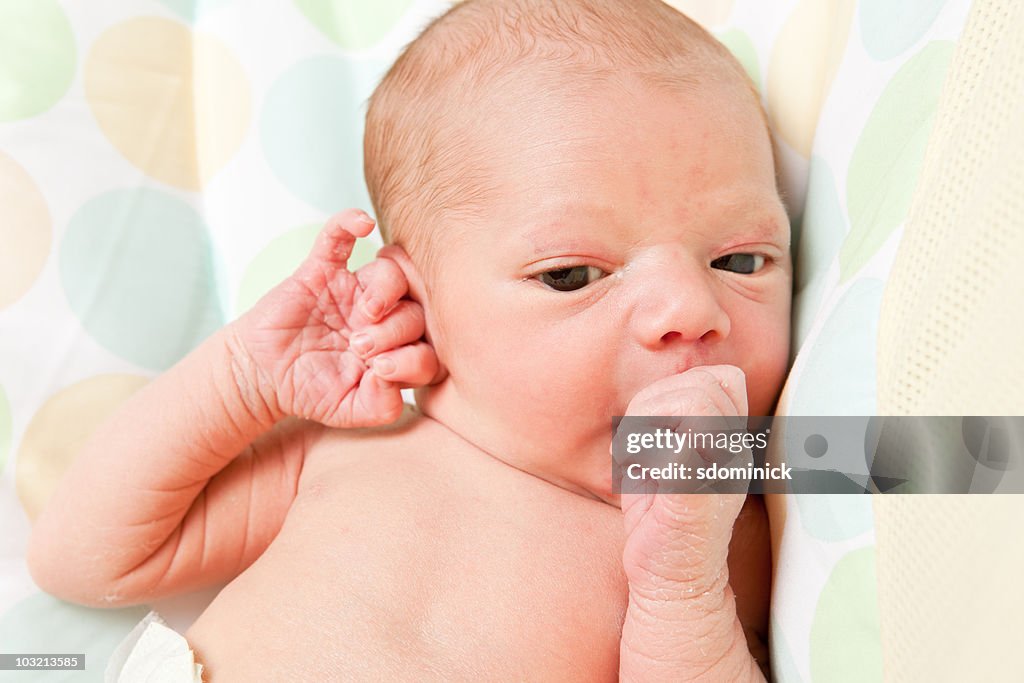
<point x="681" y="622"/>
<point x="331" y="345"/>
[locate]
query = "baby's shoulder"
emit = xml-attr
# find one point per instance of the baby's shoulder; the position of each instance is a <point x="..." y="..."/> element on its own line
<point x="410" y="438"/>
<point x="412" y="425"/>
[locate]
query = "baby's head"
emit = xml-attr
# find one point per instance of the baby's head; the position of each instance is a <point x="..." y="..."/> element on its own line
<point x="586" y="192"/>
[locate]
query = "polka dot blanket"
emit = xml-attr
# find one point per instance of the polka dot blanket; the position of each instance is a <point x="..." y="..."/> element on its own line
<point x="164" y="162"/>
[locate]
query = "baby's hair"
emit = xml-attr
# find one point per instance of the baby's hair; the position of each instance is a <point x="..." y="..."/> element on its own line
<point x="423" y="160"/>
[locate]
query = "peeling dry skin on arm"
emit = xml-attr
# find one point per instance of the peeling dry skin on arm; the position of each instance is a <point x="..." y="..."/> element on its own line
<point x="716" y="633"/>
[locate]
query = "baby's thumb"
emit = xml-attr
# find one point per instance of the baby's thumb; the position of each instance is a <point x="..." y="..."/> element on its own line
<point x="733" y="382"/>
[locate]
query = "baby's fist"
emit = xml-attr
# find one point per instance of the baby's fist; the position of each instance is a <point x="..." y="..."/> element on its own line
<point x="677" y="543"/>
<point x="704" y="390"/>
<point x="681" y="623"/>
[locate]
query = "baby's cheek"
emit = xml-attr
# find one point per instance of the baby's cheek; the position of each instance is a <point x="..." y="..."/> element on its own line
<point x="766" y="382"/>
<point x="561" y="383"/>
<point x="760" y="346"/>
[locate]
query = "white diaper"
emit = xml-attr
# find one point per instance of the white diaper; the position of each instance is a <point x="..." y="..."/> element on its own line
<point x="153" y="653"/>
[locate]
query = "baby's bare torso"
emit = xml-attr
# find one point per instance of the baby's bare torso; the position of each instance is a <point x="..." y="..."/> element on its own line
<point x="408" y="554"/>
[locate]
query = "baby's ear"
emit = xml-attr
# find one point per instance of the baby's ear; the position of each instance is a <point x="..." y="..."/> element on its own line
<point x="417" y="292"/>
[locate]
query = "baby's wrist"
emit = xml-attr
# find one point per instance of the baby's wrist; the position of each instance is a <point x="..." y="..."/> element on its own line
<point x="692" y="637"/>
<point x="245" y="385"/>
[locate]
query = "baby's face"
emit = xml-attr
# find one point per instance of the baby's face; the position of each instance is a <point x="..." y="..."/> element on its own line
<point x="639" y="235"/>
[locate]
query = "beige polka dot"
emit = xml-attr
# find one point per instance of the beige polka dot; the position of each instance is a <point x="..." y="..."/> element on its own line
<point x="708" y="13"/>
<point x="25" y="231"/>
<point x="803" y="64"/>
<point x="59" y="428"/>
<point x="175" y="104"/>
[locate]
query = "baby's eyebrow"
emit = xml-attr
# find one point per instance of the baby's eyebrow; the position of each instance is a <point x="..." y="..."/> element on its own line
<point x="576" y="214"/>
<point x="767" y="229"/>
<point x="542" y="242"/>
<point x="759" y="218"/>
<point x="564" y="225"/>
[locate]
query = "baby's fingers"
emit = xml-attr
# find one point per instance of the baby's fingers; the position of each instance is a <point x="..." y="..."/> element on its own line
<point x="383" y="284"/>
<point x="404" y="325"/>
<point x="337" y="238"/>
<point x="378" y="402"/>
<point x="414" y="366"/>
<point x="733" y="383"/>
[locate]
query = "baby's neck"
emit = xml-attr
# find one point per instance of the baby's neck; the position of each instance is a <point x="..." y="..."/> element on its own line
<point x="443" y="404"/>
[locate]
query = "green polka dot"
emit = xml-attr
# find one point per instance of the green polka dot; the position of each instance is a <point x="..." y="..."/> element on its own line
<point x="887" y="159"/>
<point x="846" y="640"/>
<point x="190" y="10"/>
<point x="312" y="132"/>
<point x="838" y="376"/>
<point x="5" y="429"/>
<point x="42" y="623"/>
<point x="354" y="24"/>
<point x="888" y="27"/>
<point x="820" y="235"/>
<point x="742" y="47"/>
<point x="37" y="57"/>
<point x="282" y="256"/>
<point x="138" y="269"/>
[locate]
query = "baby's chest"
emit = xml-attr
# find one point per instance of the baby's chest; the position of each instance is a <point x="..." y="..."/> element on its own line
<point x="438" y="571"/>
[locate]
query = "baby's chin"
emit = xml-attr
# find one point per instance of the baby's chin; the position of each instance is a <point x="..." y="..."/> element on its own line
<point x="599" y="486"/>
<point x="613" y="499"/>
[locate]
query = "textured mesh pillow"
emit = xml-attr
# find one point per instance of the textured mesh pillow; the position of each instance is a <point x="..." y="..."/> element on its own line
<point x="949" y="344"/>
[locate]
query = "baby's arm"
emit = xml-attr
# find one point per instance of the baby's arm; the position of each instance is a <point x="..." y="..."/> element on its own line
<point x="682" y="622"/>
<point x="133" y="517"/>
<point x="190" y="480"/>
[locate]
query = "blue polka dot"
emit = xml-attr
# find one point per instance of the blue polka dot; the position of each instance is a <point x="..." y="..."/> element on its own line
<point x="140" y="272"/>
<point x="890" y="27"/>
<point x="42" y="623"/>
<point x="821" y="234"/>
<point x="835" y="517"/>
<point x="784" y="667"/>
<point x="312" y="131"/>
<point x="191" y="10"/>
<point x="838" y="376"/>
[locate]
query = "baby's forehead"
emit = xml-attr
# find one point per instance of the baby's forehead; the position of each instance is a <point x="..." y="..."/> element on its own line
<point x="494" y="82"/>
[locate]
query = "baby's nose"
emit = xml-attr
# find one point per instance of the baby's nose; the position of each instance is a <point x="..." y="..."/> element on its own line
<point x="680" y="303"/>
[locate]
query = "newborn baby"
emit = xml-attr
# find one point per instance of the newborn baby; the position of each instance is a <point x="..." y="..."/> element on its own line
<point x="580" y="200"/>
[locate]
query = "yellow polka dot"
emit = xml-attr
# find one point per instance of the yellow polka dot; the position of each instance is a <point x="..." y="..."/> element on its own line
<point x="25" y="231"/>
<point x="222" y="104"/>
<point x="174" y="103"/>
<point x="59" y="428"/>
<point x="803" y="64"/>
<point x="708" y="13"/>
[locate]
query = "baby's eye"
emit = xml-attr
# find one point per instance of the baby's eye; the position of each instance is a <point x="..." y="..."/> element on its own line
<point x="744" y="264"/>
<point x="571" y="279"/>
